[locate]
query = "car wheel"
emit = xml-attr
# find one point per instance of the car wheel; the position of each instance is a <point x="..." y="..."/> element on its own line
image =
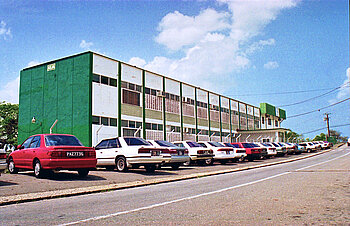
<point x="150" y="168"/>
<point x="121" y="164"/>
<point x="209" y="162"/>
<point x="11" y="167"/>
<point x="201" y="162"/>
<point x="175" y="166"/>
<point x="83" y="172"/>
<point x="187" y="163"/>
<point x="38" y="170"/>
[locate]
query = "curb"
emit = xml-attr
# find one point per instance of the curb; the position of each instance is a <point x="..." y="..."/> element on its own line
<point x="103" y="188"/>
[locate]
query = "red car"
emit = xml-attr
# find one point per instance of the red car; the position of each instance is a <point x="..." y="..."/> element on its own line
<point x="46" y="152"/>
<point x="252" y="151"/>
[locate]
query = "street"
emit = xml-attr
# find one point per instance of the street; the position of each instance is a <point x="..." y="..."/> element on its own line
<point x="312" y="191"/>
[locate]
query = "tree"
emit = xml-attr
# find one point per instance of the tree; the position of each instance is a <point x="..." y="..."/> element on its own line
<point x="337" y="136"/>
<point x="292" y="136"/>
<point x="8" y="123"/>
<point x="321" y="137"/>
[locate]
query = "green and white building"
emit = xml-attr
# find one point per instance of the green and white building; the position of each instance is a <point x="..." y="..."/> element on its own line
<point x="95" y="97"/>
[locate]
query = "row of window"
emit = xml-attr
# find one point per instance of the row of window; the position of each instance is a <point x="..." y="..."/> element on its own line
<point x="269" y="121"/>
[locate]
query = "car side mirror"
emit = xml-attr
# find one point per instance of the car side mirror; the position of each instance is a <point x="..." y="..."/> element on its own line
<point x="19" y="147"/>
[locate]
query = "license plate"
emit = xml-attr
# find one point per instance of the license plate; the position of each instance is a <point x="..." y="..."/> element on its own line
<point x="75" y="154"/>
<point x="155" y="153"/>
<point x="227" y="152"/>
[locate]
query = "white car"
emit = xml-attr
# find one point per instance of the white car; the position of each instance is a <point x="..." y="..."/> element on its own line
<point x="222" y="153"/>
<point x="271" y="150"/>
<point x="240" y="153"/>
<point x="129" y="152"/>
<point x="196" y="152"/>
<point x="309" y="146"/>
<point x="179" y="155"/>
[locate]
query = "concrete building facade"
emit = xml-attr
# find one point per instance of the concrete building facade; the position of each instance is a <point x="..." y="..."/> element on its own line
<point x="95" y="97"/>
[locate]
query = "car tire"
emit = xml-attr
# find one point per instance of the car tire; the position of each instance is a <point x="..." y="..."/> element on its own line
<point x="209" y="162"/>
<point x="187" y="163"/>
<point x="83" y="172"/>
<point x="11" y="167"/>
<point x="150" y="168"/>
<point x="121" y="164"/>
<point x="201" y="162"/>
<point x="38" y="170"/>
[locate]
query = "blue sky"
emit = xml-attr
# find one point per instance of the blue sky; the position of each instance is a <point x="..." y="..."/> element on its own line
<point x="243" y="49"/>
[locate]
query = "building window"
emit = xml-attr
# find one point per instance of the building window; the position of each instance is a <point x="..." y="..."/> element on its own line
<point x="269" y="122"/>
<point x="104" y="121"/>
<point x="96" y="78"/>
<point x="262" y="120"/>
<point x="276" y="123"/>
<point x="130" y="97"/>
<point x="104" y="80"/>
<point x="113" y="122"/>
<point x="96" y="120"/>
<point x="113" y="82"/>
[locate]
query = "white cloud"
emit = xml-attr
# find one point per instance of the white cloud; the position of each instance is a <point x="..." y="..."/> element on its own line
<point x="85" y="45"/>
<point x="215" y="44"/>
<point x="9" y="93"/>
<point x="136" y="61"/>
<point x="33" y="63"/>
<point x="4" y="31"/>
<point x="178" y="30"/>
<point x="344" y="91"/>
<point x="271" y="65"/>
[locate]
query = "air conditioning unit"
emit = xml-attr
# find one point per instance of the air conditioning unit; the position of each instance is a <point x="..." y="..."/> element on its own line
<point x="160" y="93"/>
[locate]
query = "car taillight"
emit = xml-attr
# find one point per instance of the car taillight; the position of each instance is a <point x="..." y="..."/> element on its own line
<point x="57" y="154"/>
<point x="90" y="154"/>
<point x="2" y="155"/>
<point x="186" y="152"/>
<point x="200" y="152"/>
<point x="144" y="150"/>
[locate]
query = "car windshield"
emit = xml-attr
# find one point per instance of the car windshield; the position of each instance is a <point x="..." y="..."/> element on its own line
<point x="231" y="145"/>
<point x="62" y="140"/>
<point x="247" y="145"/>
<point x="274" y="144"/>
<point x="193" y="144"/>
<point x="216" y="144"/>
<point x="164" y="143"/>
<point x="254" y="145"/>
<point x="267" y="145"/>
<point x="135" y="141"/>
<point x="282" y="145"/>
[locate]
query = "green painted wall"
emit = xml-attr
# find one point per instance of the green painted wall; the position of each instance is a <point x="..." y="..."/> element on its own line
<point x="63" y="94"/>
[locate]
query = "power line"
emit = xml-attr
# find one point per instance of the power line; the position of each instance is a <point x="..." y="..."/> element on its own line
<point x="315" y="97"/>
<point x="280" y="93"/>
<point x="309" y="112"/>
<point x="348" y="124"/>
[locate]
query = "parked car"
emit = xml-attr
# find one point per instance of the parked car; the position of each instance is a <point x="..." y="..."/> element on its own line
<point x="323" y="144"/>
<point x="281" y="150"/>
<point x="291" y="148"/>
<point x="222" y="153"/>
<point x="123" y="153"/>
<point x="197" y="153"/>
<point x="300" y="148"/>
<point x="240" y="153"/>
<point x="179" y="155"/>
<point x="3" y="163"/>
<point x="252" y="151"/>
<point x="309" y="146"/>
<point x="46" y="152"/>
<point x="271" y="150"/>
<point x="318" y="145"/>
<point x="349" y="142"/>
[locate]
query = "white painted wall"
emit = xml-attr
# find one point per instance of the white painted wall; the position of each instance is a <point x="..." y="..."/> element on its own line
<point x="104" y="100"/>
<point x="104" y="66"/>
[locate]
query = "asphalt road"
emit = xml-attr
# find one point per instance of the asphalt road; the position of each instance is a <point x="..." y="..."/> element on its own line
<point x="312" y="191"/>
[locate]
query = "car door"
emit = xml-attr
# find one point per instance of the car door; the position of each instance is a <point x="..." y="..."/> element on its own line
<point x="32" y="151"/>
<point x="19" y="155"/>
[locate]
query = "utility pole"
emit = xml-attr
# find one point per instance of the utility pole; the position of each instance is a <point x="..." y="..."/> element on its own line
<point x="327" y="120"/>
